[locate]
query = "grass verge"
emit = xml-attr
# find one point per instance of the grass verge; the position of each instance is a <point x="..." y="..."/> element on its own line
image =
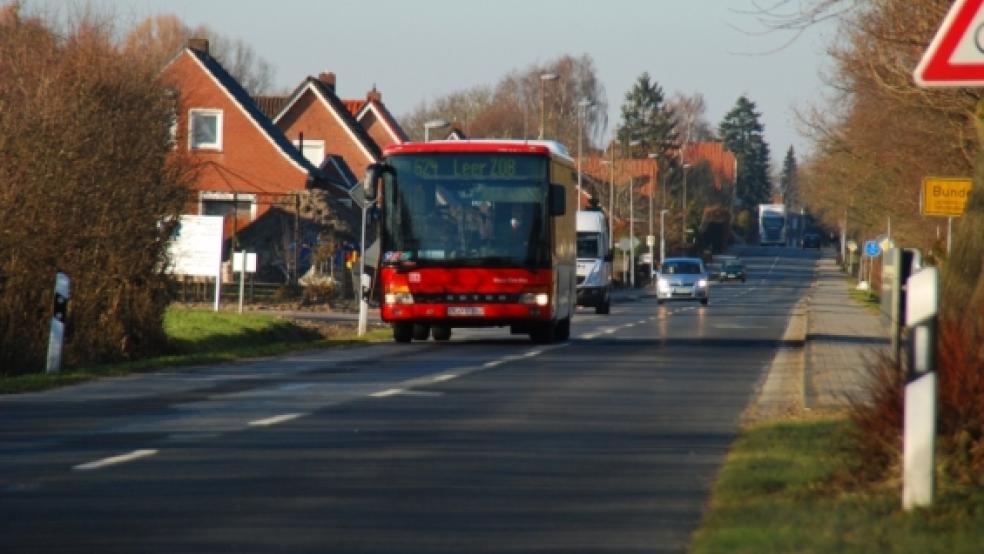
<point x="199" y="336"/>
<point x="786" y="487"/>
<point x="866" y="298"/>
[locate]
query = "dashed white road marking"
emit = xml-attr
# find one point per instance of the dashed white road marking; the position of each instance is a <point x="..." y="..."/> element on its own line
<point x="493" y="363"/>
<point x="113" y="460"/>
<point x="532" y="353"/>
<point x="589" y="336"/>
<point x="445" y="377"/>
<point x="385" y="393"/>
<point x="274" y="420"/>
<point x="609" y="331"/>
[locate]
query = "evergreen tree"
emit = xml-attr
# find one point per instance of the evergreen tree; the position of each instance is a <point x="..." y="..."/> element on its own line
<point x="787" y="179"/>
<point x="647" y="117"/>
<point x="744" y="134"/>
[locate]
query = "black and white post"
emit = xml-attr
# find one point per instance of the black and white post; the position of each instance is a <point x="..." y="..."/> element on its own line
<point x="56" y="337"/>
<point x="919" y="433"/>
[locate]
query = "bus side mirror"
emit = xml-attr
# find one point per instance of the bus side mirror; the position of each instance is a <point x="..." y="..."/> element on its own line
<point x="558" y="204"/>
<point x="370" y="184"/>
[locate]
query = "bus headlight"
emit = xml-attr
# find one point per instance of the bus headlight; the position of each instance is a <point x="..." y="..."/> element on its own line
<point x="398" y="298"/>
<point x="537" y="298"/>
<point x="398" y="294"/>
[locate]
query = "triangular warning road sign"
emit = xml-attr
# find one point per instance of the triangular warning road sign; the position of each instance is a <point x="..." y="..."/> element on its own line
<point x="955" y="58"/>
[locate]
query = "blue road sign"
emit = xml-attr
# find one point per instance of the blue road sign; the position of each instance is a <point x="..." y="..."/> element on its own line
<point x="871" y="249"/>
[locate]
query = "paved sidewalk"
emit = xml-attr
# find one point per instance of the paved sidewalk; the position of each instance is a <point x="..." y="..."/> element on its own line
<point x="842" y="336"/>
<point x="828" y="341"/>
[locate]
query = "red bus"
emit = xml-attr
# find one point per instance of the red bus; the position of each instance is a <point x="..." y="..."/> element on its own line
<point x="476" y="234"/>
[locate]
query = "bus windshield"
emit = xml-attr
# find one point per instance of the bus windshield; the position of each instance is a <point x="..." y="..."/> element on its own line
<point x="458" y="209"/>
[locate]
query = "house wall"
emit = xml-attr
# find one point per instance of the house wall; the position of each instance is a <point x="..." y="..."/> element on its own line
<point x="311" y="116"/>
<point x="249" y="162"/>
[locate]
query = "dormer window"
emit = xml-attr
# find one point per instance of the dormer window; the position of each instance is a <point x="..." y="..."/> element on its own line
<point x="206" y="129"/>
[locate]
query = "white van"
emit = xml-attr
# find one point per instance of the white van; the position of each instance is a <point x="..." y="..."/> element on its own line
<point x="594" y="262"/>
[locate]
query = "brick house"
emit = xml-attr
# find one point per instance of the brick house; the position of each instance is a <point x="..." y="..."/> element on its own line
<point x="317" y="121"/>
<point x="376" y="119"/>
<point x="248" y="170"/>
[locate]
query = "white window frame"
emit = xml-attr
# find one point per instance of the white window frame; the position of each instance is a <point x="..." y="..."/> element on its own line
<point x="311" y="143"/>
<point x="230" y="196"/>
<point x="217" y="145"/>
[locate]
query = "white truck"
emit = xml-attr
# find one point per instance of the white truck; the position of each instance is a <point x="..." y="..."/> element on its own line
<point x="772" y="224"/>
<point x="594" y="262"/>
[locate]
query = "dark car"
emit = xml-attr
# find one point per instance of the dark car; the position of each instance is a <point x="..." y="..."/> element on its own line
<point x="733" y="270"/>
<point x="811" y="240"/>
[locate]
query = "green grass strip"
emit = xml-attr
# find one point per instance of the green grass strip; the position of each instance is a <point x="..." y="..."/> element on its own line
<point x="786" y="487"/>
<point x="199" y="336"/>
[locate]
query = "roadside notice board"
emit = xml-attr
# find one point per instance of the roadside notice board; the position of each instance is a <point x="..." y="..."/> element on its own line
<point x="196" y="247"/>
<point x="944" y="196"/>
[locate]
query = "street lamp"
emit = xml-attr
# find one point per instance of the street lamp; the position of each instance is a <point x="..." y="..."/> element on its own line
<point x="543" y="78"/>
<point x="684" y="230"/>
<point x="652" y="192"/>
<point x="434" y="124"/>
<point x="583" y="106"/>
<point x="611" y="201"/>
<point x="632" y="143"/>
<point x="662" y="237"/>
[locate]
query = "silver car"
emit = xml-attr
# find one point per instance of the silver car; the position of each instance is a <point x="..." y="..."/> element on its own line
<point x="683" y="279"/>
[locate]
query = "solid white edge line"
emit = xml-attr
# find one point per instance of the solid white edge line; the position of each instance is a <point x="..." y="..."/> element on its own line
<point x="385" y="393"/>
<point x="274" y="420"/>
<point x="113" y="460"/>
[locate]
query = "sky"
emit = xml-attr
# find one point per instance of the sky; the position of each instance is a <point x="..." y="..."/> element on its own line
<point x="414" y="51"/>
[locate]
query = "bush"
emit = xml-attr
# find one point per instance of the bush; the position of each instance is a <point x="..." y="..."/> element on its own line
<point x="877" y="430"/>
<point x="88" y="184"/>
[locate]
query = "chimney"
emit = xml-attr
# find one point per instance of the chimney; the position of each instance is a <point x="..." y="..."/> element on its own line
<point x="328" y="78"/>
<point x="374" y="95"/>
<point x="199" y="44"/>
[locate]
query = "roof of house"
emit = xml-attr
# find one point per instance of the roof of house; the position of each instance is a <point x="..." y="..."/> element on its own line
<point x="354" y="106"/>
<point x="252" y="110"/>
<point x="270" y="105"/>
<point x="722" y="161"/>
<point x="641" y="171"/>
<point x="335" y="166"/>
<point x="338" y="107"/>
<point x="374" y="103"/>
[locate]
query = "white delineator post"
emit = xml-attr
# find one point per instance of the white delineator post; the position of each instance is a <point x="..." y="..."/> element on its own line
<point x="919" y="432"/>
<point x="56" y="336"/>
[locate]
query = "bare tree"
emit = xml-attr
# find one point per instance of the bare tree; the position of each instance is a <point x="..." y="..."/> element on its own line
<point x="511" y="108"/>
<point x="89" y="185"/>
<point x="691" y="115"/>
<point x="158" y="38"/>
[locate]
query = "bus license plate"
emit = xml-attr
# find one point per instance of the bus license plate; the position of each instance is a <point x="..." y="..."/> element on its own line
<point x="465" y="311"/>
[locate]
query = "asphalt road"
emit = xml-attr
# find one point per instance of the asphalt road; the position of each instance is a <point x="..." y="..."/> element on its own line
<point x="606" y="443"/>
